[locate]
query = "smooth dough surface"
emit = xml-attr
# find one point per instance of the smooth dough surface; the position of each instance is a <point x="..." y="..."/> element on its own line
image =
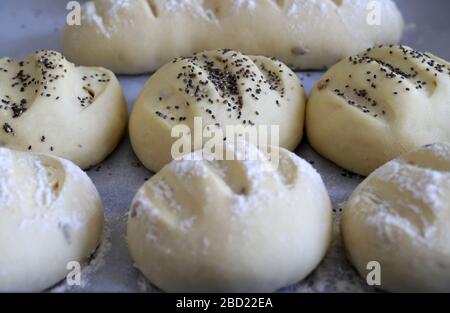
<point x="230" y="226"/>
<point x="137" y="36"/>
<point x="49" y="105"/>
<point x="371" y="108"/>
<point x="50" y="215"/>
<point x="222" y="88"/>
<point x="400" y="217"/>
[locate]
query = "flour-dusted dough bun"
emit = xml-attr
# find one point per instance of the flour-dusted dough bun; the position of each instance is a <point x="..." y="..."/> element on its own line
<point x="137" y="36"/>
<point x="222" y="87"/>
<point x="50" y="215"/>
<point x="230" y="226"/>
<point x="400" y="217"/>
<point x="48" y="105"/>
<point x="370" y="108"/>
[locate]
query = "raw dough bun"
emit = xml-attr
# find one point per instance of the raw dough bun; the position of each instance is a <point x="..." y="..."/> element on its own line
<point x="371" y="108"/>
<point x="132" y="37"/>
<point x="222" y="87"/>
<point x="400" y="217"/>
<point x="48" y="105"/>
<point x="50" y="215"/>
<point x="230" y="226"/>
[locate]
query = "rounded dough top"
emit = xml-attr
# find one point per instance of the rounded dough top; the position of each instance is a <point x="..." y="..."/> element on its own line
<point x="230" y="225"/>
<point x="132" y="37"/>
<point x="375" y="106"/>
<point x="49" y="105"/>
<point x="223" y="88"/>
<point x="50" y="214"/>
<point x="401" y="215"/>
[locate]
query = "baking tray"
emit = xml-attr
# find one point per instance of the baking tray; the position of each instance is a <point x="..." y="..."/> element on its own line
<point x="29" y="25"/>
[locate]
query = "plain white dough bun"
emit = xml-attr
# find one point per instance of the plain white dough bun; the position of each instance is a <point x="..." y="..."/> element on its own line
<point x="371" y="108"/>
<point x="50" y="106"/>
<point x="137" y="36"/>
<point x="222" y="88"/>
<point x="50" y="215"/>
<point x="230" y="226"/>
<point x="400" y="217"/>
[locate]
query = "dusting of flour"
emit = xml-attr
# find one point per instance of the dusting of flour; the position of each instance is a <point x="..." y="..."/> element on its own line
<point x="96" y="262"/>
<point x="6" y="164"/>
